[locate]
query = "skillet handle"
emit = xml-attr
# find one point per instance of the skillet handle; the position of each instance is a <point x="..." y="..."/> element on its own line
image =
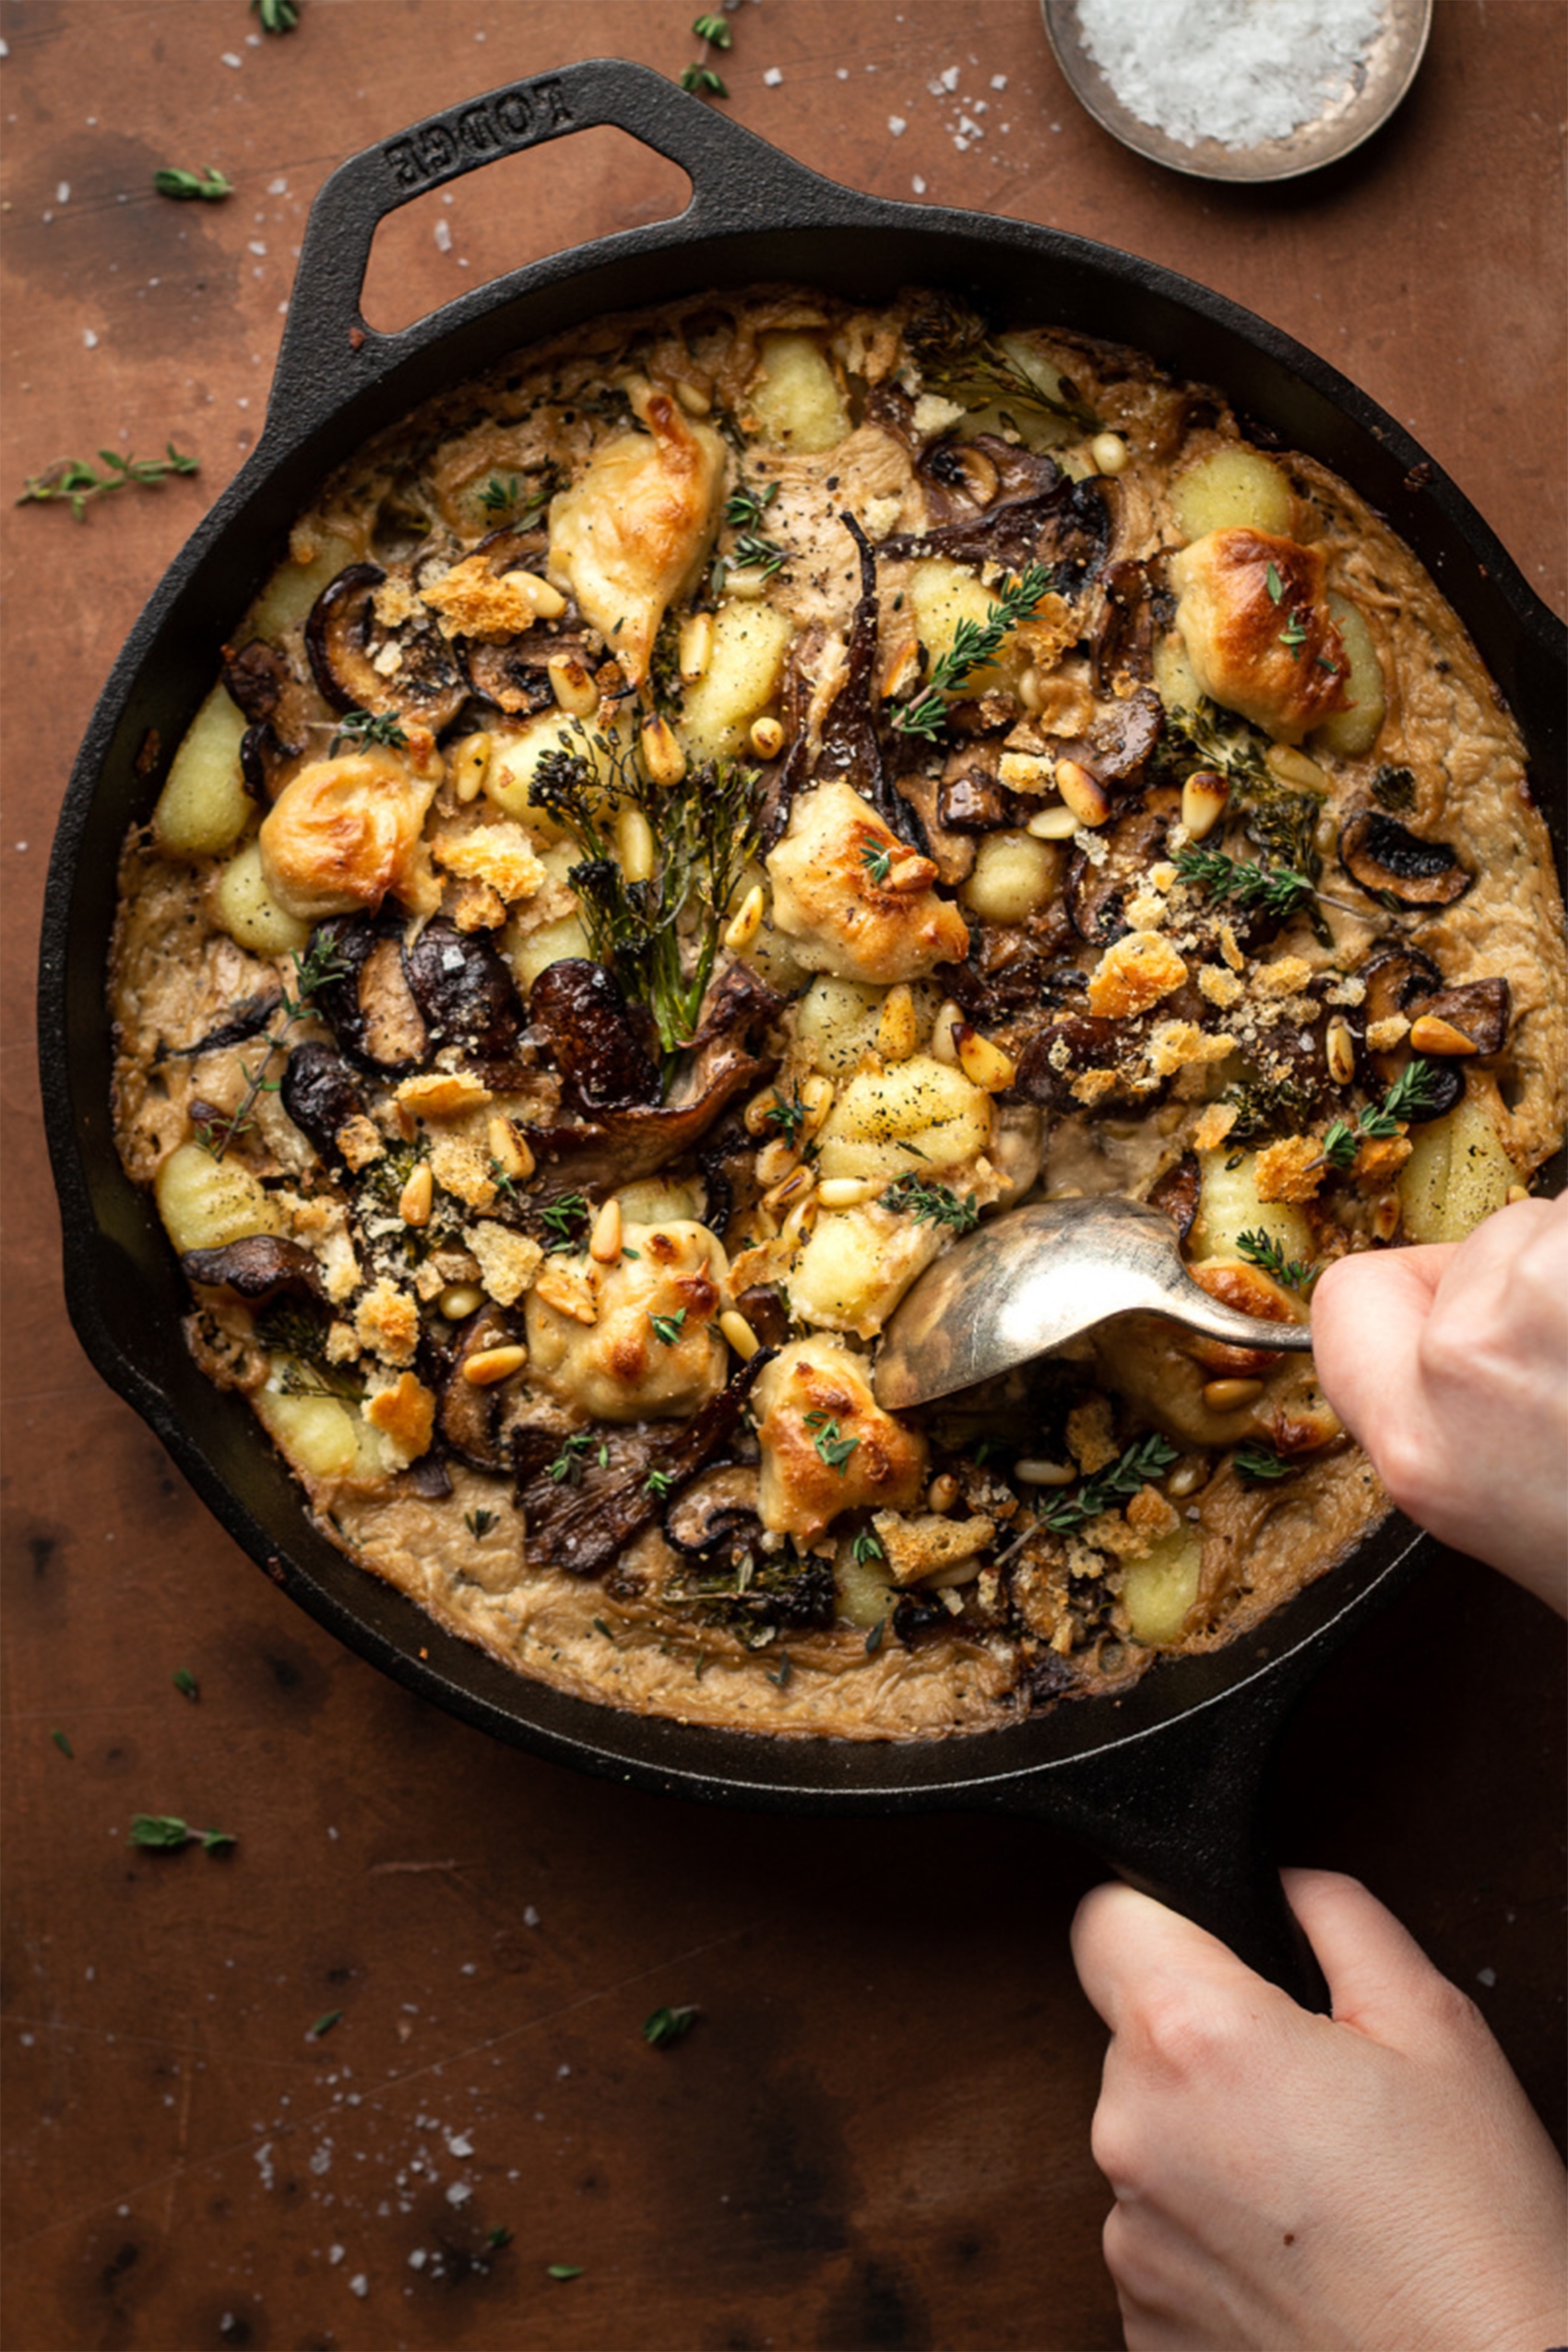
<point x="1179" y="1814"/>
<point x="738" y="181"/>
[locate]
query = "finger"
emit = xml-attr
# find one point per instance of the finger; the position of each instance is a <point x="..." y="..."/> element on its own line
<point x="1123" y="1942"/>
<point x="1367" y="1314"/>
<point x="1378" y="1975"/>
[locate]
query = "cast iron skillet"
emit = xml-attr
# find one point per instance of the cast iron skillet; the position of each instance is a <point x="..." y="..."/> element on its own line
<point x="1166" y="1782"/>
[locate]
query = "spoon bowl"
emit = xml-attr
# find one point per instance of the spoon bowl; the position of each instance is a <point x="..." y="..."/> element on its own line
<point x="1039" y="1277"/>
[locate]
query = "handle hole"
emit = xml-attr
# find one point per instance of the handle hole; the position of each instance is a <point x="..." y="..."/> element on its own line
<point x="510" y="212"/>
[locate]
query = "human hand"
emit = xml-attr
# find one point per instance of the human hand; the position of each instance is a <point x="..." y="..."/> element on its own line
<point x="1371" y="2182"/>
<point x="1450" y="1364"/>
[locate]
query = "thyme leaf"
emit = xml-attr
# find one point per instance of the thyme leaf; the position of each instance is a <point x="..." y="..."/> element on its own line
<point x="663" y="2027"/>
<point x="568" y="1467"/>
<point x="165" y="1832"/>
<point x="1260" y="1249"/>
<point x="360" y="729"/>
<point x="866" y="1546"/>
<point x="832" y="1448"/>
<point x="876" y="857"/>
<point x="1258" y="1462"/>
<point x="565" y="1221"/>
<point x="278" y="15"/>
<point x="478" y="1523"/>
<point x="668" y="1327"/>
<point x="187" y="187"/>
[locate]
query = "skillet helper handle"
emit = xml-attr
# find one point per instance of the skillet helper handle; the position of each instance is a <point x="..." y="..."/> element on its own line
<point x="1179" y="1814"/>
<point x="738" y="181"/>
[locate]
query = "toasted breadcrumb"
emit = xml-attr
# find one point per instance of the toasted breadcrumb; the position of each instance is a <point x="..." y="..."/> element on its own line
<point x="388" y="1322"/>
<point x="508" y="1261"/>
<point x="1134" y="972"/>
<point x="1289" y="1171"/>
<point x="405" y="1414"/>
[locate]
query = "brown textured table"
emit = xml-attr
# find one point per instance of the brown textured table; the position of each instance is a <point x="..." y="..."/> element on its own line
<point x="877" y="2135"/>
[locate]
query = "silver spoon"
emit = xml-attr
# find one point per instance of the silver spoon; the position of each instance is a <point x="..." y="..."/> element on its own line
<point x="1039" y="1277"/>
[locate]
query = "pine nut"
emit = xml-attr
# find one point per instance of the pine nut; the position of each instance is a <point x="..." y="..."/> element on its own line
<point x="508" y="1149"/>
<point x="757" y="1116"/>
<point x="1026" y="771"/>
<point x="942" y="1492"/>
<point x="910" y="875"/>
<point x="1082" y="792"/>
<point x="943" y="1043"/>
<point x="1204" y="796"/>
<point x="692" y="399"/>
<point x="799" y="1222"/>
<point x="898" y="1033"/>
<point x="1032" y="691"/>
<point x="847" y="1191"/>
<point x="487" y="1365"/>
<point x="604" y="1244"/>
<point x="903" y="671"/>
<point x="747" y="581"/>
<point x="740" y="1335"/>
<point x="816" y="1101"/>
<point x="1339" y="1052"/>
<point x="1386" y="1217"/>
<point x="1230" y="1395"/>
<point x="774" y="1162"/>
<point x="1029" y="1472"/>
<point x="767" y="738"/>
<point x="633" y="841"/>
<point x="1517" y="1192"/>
<point x="789" y="1188"/>
<point x="415" y="1200"/>
<point x="665" y="761"/>
<point x="469" y="760"/>
<point x="1062" y="1639"/>
<point x="746" y="922"/>
<point x="1431" y="1034"/>
<point x="1184" y="1482"/>
<point x="984" y="1065"/>
<point x="1056" y="824"/>
<point x="1292" y="767"/>
<point x="695" y="649"/>
<point x="459" y="1301"/>
<point x="576" y="692"/>
<point x="1109" y="453"/>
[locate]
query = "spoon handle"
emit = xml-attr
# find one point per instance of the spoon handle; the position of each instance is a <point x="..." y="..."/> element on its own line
<point x="1200" y="1313"/>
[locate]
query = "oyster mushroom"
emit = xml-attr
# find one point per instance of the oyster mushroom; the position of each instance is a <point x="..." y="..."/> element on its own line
<point x="255" y="1268"/>
<point x="467" y="1413"/>
<point x="1391" y="863"/>
<point x="318" y="1093"/>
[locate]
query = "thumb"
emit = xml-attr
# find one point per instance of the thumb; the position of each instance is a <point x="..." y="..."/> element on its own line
<point x="1378" y="1977"/>
<point x="1367" y="1314"/>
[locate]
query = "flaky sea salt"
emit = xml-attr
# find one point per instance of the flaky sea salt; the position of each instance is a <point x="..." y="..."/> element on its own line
<point x="1236" y="71"/>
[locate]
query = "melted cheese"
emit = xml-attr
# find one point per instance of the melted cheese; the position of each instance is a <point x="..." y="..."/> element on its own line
<point x="1257" y="629"/>
<point x="837" y="916"/>
<point x="601" y="1350"/>
<point x="633" y="530"/>
<point x="345" y="832"/>
<point x="812" y="1401"/>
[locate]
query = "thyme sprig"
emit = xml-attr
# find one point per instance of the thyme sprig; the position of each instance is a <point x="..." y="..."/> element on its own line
<point x="931" y="1204"/>
<point x="74" y="479"/>
<point x="1415" y="1089"/>
<point x="699" y="78"/>
<point x="743" y="512"/>
<point x="659" y="936"/>
<point x="166" y="1834"/>
<point x="788" y="1113"/>
<point x="188" y="187"/>
<point x="565" y="1221"/>
<point x="503" y="495"/>
<point x="876" y="857"/>
<point x="1279" y="890"/>
<point x="1118" y="1482"/>
<point x="320" y="965"/>
<point x="974" y="644"/>
<point x="832" y="1448"/>
<point x="361" y="729"/>
<point x="1261" y="1250"/>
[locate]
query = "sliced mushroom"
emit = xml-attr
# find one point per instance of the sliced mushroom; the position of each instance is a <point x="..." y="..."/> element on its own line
<point x="1066" y="523"/>
<point x="620" y="1146"/>
<point x="582" y="1024"/>
<point x="1095" y="892"/>
<point x="463" y="989"/>
<point x="362" y="664"/>
<point x="1079" y="1042"/>
<point x="248" y="1017"/>
<point x="764" y="1308"/>
<point x="368" y="1003"/>
<point x="1116" y="744"/>
<point x="317" y="1090"/>
<point x="1138" y="606"/>
<point x="583" y="1522"/>
<point x="256" y="678"/>
<point x="709" y="1514"/>
<point x="469" y="1413"/>
<point x="255" y="1268"/>
<point x="1479" y="1010"/>
<point x="1392" y="864"/>
<point x="1177" y="1193"/>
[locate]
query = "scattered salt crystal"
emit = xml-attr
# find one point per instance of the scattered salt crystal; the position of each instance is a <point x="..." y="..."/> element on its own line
<point x="1235" y="71"/>
<point x="277" y="187"/>
<point x="999" y="81"/>
<point x="457" y="2146"/>
<point x="1487" y="1976"/>
<point x="89" y="338"/>
<point x="897" y="126"/>
<point x="229" y="58"/>
<point x="256" y="247"/>
<point x="918" y="184"/>
<point x="335" y="2253"/>
<point x="418" y="2259"/>
<point x="458" y="2194"/>
<point x="5" y="48"/>
<point x="970" y="130"/>
<point x="843" y="73"/>
<point x="773" y="76"/>
<point x="530" y="1916"/>
<point x="944" y="82"/>
<point x="63" y="193"/>
<point x="359" y="2285"/>
<point x="444" y="237"/>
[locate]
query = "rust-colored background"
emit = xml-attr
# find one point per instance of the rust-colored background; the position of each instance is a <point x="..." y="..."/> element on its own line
<point x="877" y="2134"/>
